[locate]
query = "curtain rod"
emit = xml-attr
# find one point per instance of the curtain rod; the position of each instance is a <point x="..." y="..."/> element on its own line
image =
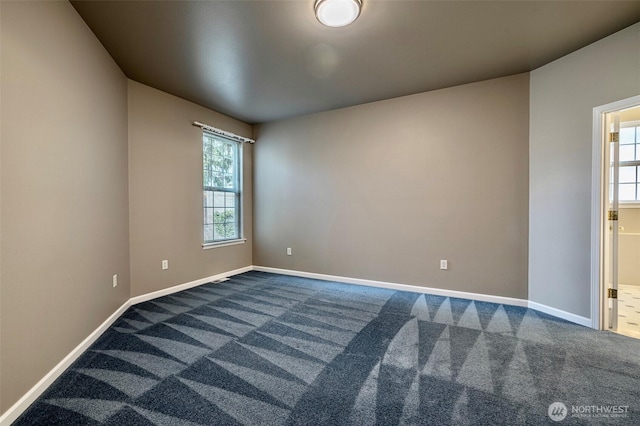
<point x="222" y="132"/>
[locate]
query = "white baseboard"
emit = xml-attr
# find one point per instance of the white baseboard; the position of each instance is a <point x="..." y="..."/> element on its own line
<point x="577" y="319"/>
<point x="186" y="286"/>
<point x="23" y="403"/>
<point x="29" y="398"/>
<point x="395" y="286"/>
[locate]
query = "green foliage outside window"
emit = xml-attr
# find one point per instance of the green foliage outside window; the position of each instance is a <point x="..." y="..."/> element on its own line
<point x="221" y="185"/>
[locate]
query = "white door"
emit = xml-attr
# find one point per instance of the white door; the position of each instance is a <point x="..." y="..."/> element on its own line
<point x="616" y="179"/>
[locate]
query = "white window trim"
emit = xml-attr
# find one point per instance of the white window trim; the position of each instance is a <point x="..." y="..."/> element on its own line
<point x="225" y="243"/>
<point x="242" y="239"/>
<point x="634" y="204"/>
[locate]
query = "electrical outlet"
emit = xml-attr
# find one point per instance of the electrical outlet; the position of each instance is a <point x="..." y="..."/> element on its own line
<point x="165" y="264"/>
<point x="444" y="264"/>
<point x="115" y="280"/>
<point x="288" y="251"/>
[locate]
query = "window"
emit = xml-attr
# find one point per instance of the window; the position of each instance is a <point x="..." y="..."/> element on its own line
<point x="222" y="188"/>
<point x="629" y="175"/>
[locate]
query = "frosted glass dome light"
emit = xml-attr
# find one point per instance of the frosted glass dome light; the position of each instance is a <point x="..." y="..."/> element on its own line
<point x="337" y="13"/>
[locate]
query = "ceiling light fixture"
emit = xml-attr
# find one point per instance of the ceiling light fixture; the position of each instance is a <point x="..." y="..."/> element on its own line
<point x="337" y="13"/>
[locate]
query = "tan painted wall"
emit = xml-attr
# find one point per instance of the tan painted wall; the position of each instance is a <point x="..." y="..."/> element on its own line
<point x="165" y="187"/>
<point x="629" y="220"/>
<point x="64" y="189"/>
<point x="632" y="114"/>
<point x="385" y="190"/>
<point x="563" y="95"/>
<point x="629" y="246"/>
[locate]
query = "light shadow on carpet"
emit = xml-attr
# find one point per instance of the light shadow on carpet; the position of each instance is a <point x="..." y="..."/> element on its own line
<point x="267" y="349"/>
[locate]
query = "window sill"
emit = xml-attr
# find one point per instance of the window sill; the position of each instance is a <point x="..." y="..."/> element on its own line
<point x="224" y="243"/>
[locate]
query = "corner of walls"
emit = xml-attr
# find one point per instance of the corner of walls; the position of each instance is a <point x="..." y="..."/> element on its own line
<point x="63" y="182"/>
<point x="384" y="191"/>
<point x="563" y="94"/>
<point x="16" y="410"/>
<point x="165" y="191"/>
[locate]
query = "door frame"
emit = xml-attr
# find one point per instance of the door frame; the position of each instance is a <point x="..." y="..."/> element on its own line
<point x="598" y="299"/>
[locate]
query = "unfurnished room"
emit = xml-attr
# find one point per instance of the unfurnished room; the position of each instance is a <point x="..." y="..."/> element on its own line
<point x="319" y="212"/>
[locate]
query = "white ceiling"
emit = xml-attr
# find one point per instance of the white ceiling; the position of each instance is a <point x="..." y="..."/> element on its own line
<point x="266" y="60"/>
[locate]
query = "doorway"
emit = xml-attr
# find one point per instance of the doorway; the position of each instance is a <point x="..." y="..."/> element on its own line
<point x="616" y="218"/>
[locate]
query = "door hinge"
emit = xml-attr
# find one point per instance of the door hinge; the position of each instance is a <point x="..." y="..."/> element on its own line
<point x="612" y="293"/>
<point x="613" y="215"/>
<point x="614" y="137"/>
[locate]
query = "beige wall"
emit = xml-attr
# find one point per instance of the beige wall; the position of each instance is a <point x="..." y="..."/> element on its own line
<point x="64" y="189"/>
<point x="629" y="221"/>
<point x="629" y="246"/>
<point x="385" y="190"/>
<point x="563" y="95"/>
<point x="100" y="175"/>
<point x="165" y="188"/>
<point x="632" y="114"/>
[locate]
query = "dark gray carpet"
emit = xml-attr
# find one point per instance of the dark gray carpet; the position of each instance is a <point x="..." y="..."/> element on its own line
<point x="266" y="349"/>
